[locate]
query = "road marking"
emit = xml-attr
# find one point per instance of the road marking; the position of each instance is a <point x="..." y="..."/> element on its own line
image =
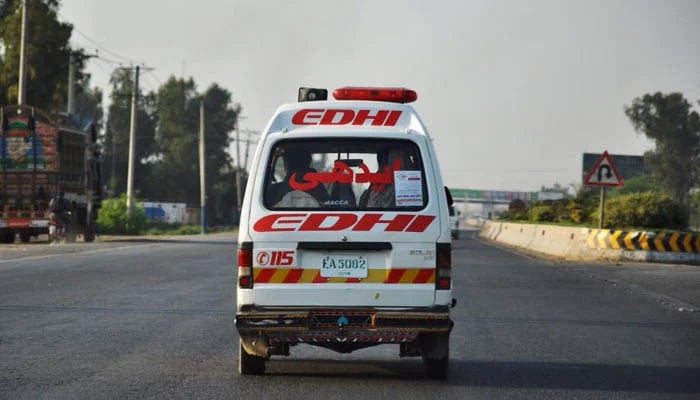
<point x="31" y="258"/>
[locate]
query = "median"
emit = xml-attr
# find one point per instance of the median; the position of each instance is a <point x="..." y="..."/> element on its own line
<point x="587" y="244"/>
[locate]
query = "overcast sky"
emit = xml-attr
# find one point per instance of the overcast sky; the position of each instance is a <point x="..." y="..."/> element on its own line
<point x="513" y="92"/>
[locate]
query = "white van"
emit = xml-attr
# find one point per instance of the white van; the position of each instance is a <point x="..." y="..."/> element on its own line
<point x="344" y="240"/>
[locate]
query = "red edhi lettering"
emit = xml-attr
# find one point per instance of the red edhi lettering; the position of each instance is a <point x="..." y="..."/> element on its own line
<point x="338" y="222"/>
<point x="345" y="116"/>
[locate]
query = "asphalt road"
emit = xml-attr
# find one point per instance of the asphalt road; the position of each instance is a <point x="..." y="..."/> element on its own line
<point x="154" y="319"/>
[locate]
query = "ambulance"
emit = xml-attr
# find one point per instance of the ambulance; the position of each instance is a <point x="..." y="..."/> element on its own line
<point x="345" y="238"/>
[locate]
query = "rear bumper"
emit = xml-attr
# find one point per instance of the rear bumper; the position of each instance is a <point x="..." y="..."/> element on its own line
<point x="342" y="325"/>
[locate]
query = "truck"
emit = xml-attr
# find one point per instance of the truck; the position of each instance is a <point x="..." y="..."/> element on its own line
<point x="49" y="176"/>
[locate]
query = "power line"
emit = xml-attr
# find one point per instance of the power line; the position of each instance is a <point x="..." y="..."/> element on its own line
<point x="153" y="75"/>
<point x="101" y="47"/>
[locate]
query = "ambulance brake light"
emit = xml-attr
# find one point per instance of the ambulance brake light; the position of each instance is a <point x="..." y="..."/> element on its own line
<point x="393" y="95"/>
<point x="245" y="265"/>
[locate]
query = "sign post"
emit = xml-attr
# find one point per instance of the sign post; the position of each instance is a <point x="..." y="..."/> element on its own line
<point x="603" y="174"/>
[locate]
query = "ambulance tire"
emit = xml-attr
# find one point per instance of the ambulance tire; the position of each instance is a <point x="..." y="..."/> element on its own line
<point x="436" y="367"/>
<point x="249" y="364"/>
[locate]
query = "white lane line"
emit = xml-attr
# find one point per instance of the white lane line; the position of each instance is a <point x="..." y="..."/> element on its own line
<point x="31" y="258"/>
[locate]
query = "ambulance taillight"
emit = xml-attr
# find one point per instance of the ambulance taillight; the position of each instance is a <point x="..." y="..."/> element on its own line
<point x="393" y="95"/>
<point x="443" y="271"/>
<point x="245" y="265"/>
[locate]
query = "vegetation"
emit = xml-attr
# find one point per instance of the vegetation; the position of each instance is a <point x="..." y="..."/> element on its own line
<point x="669" y="121"/>
<point x="167" y="157"/>
<point x="651" y="210"/>
<point x="644" y="210"/>
<point x="113" y="217"/>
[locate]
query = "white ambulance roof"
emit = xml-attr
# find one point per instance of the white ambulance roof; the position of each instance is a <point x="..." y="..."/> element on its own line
<point x="338" y="116"/>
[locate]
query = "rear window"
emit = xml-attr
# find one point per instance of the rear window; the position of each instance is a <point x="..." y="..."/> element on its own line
<point x="345" y="174"/>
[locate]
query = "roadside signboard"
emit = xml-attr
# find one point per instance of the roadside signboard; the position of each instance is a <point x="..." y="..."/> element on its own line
<point x="603" y="173"/>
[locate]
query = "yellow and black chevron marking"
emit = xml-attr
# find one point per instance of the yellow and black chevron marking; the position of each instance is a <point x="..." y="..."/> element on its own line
<point x="638" y="240"/>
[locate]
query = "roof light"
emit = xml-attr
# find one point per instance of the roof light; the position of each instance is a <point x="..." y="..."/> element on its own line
<point x="312" y="94"/>
<point x="394" y="95"/>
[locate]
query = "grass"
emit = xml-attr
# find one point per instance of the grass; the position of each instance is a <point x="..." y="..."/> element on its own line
<point x="189" y="229"/>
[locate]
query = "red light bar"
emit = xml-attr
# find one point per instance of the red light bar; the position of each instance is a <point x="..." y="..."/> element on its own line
<point x="394" y="95"/>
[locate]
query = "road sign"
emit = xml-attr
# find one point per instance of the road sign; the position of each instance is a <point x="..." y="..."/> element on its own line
<point x="603" y="173"/>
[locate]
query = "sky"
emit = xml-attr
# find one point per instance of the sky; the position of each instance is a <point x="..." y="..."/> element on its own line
<point x="512" y="92"/>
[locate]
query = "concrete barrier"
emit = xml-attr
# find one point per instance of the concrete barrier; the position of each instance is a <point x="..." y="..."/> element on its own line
<point x="573" y="243"/>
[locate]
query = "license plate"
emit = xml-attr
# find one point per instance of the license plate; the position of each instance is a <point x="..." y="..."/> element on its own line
<point x="344" y="266"/>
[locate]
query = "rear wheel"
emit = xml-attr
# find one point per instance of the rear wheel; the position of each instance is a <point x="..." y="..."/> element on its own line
<point x="25" y="237"/>
<point x="435" y="350"/>
<point x="7" y="237"/>
<point x="249" y="364"/>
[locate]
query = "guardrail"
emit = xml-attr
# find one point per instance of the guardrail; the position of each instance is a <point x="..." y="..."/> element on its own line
<point x="574" y="243"/>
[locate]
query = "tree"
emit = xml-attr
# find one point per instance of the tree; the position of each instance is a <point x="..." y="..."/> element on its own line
<point x="177" y="169"/>
<point x="638" y="184"/>
<point x="47" y="54"/>
<point x="669" y="121"/>
<point x="116" y="138"/>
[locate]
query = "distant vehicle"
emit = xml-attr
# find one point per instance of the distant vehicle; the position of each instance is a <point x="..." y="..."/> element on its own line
<point x="49" y="177"/>
<point x="454" y="221"/>
<point x="344" y="241"/>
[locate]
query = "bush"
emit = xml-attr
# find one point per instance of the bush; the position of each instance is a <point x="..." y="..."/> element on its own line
<point x="112" y="217"/>
<point x="541" y="213"/>
<point x="645" y="210"/>
<point x="517" y="210"/>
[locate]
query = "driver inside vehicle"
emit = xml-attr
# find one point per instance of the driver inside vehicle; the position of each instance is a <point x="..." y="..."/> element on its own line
<point x="297" y="162"/>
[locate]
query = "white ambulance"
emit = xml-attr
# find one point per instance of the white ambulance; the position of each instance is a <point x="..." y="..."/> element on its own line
<point x="344" y="239"/>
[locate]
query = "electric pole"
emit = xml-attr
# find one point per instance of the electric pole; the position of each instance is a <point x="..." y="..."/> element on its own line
<point x="22" y="90"/>
<point x="132" y="143"/>
<point x="239" y="195"/>
<point x="248" y="142"/>
<point x="202" y="171"/>
<point x="71" y="83"/>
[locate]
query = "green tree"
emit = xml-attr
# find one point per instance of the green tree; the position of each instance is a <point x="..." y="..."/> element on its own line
<point x="177" y="169"/>
<point x="47" y="54"/>
<point x="638" y="184"/>
<point x="669" y="121"/>
<point x="116" y="137"/>
<point x="88" y="103"/>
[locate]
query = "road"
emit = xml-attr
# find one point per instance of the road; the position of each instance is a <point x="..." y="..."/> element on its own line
<point x="154" y="319"/>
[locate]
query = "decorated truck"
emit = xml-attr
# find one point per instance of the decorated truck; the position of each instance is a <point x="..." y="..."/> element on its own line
<point x="49" y="177"/>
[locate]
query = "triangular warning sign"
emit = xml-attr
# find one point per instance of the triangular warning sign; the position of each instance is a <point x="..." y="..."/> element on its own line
<point x="603" y="173"/>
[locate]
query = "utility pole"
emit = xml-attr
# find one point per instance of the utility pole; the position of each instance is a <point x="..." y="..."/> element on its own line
<point x="132" y="143"/>
<point x="112" y="186"/>
<point x="238" y="169"/>
<point x="202" y="171"/>
<point x="248" y="142"/>
<point x="601" y="215"/>
<point x="71" y="83"/>
<point x="22" y="90"/>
